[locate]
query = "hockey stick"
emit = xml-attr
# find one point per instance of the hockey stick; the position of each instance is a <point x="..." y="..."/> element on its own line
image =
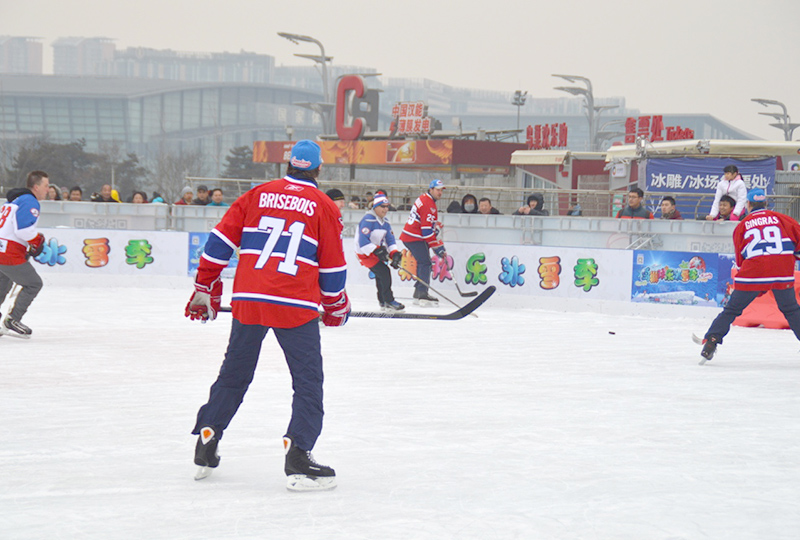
<point x="454" y="316"/>
<point x="428" y="285"/>
<point x="455" y="280"/>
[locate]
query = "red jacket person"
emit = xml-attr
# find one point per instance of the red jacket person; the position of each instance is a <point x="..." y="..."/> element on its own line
<point x="289" y="236"/>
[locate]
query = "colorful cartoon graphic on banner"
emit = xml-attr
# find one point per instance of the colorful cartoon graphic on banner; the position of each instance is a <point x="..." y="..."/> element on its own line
<point x="673" y="277"/>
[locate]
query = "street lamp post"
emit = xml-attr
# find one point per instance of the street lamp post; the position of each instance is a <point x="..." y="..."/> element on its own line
<point x="603" y="135"/>
<point x="325" y="108"/>
<point x="784" y="119"/>
<point x="518" y="102"/>
<point x="591" y="109"/>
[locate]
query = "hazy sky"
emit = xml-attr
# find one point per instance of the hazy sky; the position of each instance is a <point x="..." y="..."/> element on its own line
<point x="676" y="56"/>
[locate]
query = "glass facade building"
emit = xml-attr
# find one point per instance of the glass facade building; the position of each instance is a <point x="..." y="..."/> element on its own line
<point x="147" y="116"/>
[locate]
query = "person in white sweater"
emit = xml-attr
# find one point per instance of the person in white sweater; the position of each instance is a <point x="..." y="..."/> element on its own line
<point x="732" y="185"/>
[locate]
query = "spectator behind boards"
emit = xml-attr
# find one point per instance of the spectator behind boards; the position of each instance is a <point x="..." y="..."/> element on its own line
<point x="668" y="209"/>
<point x="733" y="185"/>
<point x="187" y="195"/>
<point x="726" y="206"/>
<point x="337" y="197"/>
<point x="485" y="207"/>
<point x="635" y="208"/>
<point x="534" y="206"/>
<point x="202" y="196"/>
<point x="217" y="198"/>
<point x="104" y="195"/>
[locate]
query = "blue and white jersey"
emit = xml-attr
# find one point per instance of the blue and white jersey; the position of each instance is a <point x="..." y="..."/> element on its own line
<point x="18" y="219"/>
<point x="374" y="232"/>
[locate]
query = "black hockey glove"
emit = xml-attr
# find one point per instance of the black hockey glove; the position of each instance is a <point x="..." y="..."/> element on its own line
<point x="397" y="259"/>
<point x="382" y="254"/>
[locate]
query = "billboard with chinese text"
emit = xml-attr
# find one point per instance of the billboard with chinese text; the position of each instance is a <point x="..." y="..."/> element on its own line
<point x="700" y="176"/>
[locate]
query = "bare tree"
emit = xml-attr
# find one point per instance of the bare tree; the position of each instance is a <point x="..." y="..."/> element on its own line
<point x="169" y="169"/>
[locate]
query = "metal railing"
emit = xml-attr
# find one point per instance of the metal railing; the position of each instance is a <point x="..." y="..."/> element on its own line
<point x="594" y="203"/>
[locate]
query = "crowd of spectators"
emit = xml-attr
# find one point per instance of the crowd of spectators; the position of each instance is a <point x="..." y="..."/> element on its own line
<point x="107" y="194"/>
<point x="469" y="204"/>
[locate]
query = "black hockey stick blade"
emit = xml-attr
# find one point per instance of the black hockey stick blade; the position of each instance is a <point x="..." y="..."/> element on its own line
<point x="454" y="316"/>
<point x="465" y="294"/>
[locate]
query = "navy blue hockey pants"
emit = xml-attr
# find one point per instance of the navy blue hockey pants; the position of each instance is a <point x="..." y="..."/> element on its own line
<point x="739" y="300"/>
<point x="420" y="252"/>
<point x="301" y="347"/>
<point x="383" y="281"/>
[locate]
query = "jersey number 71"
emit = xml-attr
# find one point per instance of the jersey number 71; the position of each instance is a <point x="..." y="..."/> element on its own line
<point x="274" y="228"/>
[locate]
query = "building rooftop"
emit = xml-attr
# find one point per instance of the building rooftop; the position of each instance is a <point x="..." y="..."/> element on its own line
<point x="93" y="86"/>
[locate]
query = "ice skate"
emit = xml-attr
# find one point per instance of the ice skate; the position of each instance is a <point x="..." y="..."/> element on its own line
<point x="205" y="453"/>
<point x="14" y="328"/>
<point x="394" y="305"/>
<point x="425" y="299"/>
<point x="709" y="349"/>
<point x="303" y="473"/>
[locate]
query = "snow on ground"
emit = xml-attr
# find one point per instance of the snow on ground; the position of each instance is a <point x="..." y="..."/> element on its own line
<point x="520" y="423"/>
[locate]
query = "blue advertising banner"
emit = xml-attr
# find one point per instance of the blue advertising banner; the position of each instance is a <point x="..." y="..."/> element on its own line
<point x="197" y="241"/>
<point x="700" y="176"/>
<point x="724" y="279"/>
<point x="674" y="277"/>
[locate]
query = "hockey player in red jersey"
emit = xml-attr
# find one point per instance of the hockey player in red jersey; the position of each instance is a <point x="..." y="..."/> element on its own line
<point x="766" y="244"/>
<point x="420" y="235"/>
<point x="289" y="236"/>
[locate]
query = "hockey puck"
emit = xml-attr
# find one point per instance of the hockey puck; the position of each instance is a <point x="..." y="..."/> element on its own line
<point x="612" y="333"/>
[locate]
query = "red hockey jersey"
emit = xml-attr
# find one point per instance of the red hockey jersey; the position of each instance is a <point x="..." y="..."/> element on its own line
<point x="766" y="244"/>
<point x="289" y="236"/>
<point x="422" y="222"/>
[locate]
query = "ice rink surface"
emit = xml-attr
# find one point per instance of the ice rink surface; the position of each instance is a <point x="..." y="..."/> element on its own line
<point x="521" y="423"/>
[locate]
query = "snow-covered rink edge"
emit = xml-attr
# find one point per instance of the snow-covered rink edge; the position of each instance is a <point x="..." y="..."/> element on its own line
<point x="520" y="423"/>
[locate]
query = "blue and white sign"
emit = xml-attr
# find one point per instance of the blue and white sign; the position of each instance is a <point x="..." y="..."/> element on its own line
<point x="700" y="176"/>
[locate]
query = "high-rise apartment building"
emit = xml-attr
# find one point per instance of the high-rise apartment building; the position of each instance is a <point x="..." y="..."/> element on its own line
<point x="20" y="55"/>
<point x="80" y="55"/>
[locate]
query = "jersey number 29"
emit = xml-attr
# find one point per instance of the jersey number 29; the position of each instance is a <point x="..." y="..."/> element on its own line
<point x="766" y="241"/>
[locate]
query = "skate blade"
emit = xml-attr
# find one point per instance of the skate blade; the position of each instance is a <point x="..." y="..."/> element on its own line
<point x="301" y="482"/>
<point x="10" y="333"/>
<point x="425" y="303"/>
<point x="203" y="472"/>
